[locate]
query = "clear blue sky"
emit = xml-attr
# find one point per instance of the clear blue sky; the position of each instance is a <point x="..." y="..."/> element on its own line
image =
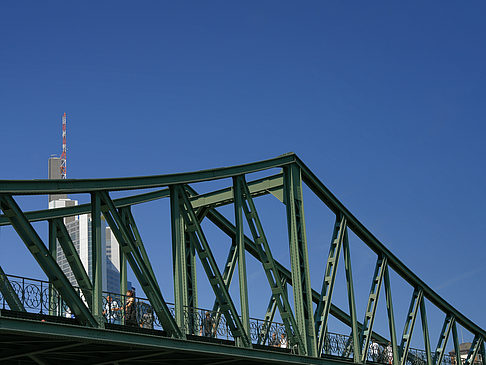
<point x="384" y="101"/>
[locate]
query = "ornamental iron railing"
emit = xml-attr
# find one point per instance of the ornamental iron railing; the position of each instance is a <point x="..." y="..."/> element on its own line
<point x="38" y="297"/>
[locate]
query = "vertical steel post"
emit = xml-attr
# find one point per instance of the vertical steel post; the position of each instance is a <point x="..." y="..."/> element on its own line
<point x="96" y="254"/>
<point x="367" y="329"/>
<point x="322" y="312"/>
<point x="457" y="348"/>
<point x="425" y="330"/>
<point x="299" y="258"/>
<point x="410" y="323"/>
<point x="240" y="247"/>
<point x="179" y="257"/>
<point x="351" y="300"/>
<point x="391" y="318"/>
<point x="53" y="253"/>
<point x="443" y="337"/>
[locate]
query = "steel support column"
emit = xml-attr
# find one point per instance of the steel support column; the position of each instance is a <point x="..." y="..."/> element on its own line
<point x="417" y="297"/>
<point x="369" y="319"/>
<point x="178" y="257"/>
<point x="457" y="348"/>
<point x="443" y="337"/>
<point x="139" y="266"/>
<point x="9" y="294"/>
<point x="351" y="301"/>
<point x="42" y="255"/>
<point x="322" y="311"/>
<point x="270" y="267"/>
<point x="209" y="264"/>
<point x="97" y="258"/>
<point x="474" y="350"/>
<point x="391" y="317"/>
<point x="299" y="259"/>
<point x="240" y="247"/>
<point x="53" y="251"/>
<point x="425" y="331"/>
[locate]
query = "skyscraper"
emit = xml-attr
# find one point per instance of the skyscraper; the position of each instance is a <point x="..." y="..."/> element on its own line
<point x="79" y="228"/>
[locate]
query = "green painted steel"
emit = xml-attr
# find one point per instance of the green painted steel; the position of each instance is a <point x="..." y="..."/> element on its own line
<point x="323" y="307"/>
<point x="42" y="255"/>
<point x="417" y="298"/>
<point x="353" y="319"/>
<point x="139" y="266"/>
<point x="269" y="316"/>
<point x="178" y="257"/>
<point x="188" y="239"/>
<point x="53" y="252"/>
<point x="72" y="257"/>
<point x="443" y="337"/>
<point x="391" y="317"/>
<point x="271" y="271"/>
<point x="325" y="195"/>
<point x="97" y="261"/>
<point x="299" y="259"/>
<point x="29" y="187"/>
<point x="209" y="264"/>
<point x="474" y="350"/>
<point x="455" y="339"/>
<point x="240" y="248"/>
<point x="425" y="330"/>
<point x="367" y="328"/>
<point x="9" y="293"/>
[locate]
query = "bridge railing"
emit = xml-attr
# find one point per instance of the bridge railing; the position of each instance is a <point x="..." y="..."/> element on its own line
<point x="38" y="297"/>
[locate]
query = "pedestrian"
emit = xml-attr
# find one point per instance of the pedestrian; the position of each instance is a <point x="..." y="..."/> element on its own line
<point x="207" y="325"/>
<point x="283" y="342"/>
<point x="130" y="310"/>
<point x="110" y="309"/>
<point x="273" y="341"/>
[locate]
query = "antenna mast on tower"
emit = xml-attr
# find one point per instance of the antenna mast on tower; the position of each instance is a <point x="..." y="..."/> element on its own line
<point x="63" y="154"/>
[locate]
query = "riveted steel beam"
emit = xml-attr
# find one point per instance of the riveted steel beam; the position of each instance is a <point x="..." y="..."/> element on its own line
<point x="72" y="258"/>
<point x="60" y="186"/>
<point x="240" y="248"/>
<point x="139" y="266"/>
<point x="48" y="264"/>
<point x="443" y="337"/>
<point x="97" y="259"/>
<point x="269" y="316"/>
<point x="324" y="305"/>
<point x="209" y="264"/>
<point x="178" y="257"/>
<point x="299" y="259"/>
<point x="391" y="317"/>
<point x="369" y="319"/>
<point x="269" y="266"/>
<point x="474" y="350"/>
<point x="8" y="292"/>
<point x="325" y="195"/>
<point x="425" y="331"/>
<point x="457" y="349"/>
<point x="417" y="298"/>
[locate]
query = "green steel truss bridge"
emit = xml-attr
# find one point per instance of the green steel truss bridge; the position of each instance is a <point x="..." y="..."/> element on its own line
<point x="34" y="323"/>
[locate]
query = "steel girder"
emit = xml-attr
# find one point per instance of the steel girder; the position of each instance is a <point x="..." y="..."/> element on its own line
<point x="269" y="265"/>
<point x="324" y="305"/>
<point x="224" y="196"/>
<point x="138" y="265"/>
<point x="299" y="258"/>
<point x="369" y="319"/>
<point x="9" y="293"/>
<point x="209" y="264"/>
<point x="240" y="248"/>
<point x="417" y="298"/>
<point x="42" y="255"/>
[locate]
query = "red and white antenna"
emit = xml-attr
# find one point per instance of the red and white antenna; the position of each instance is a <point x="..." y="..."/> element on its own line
<point x="63" y="154"/>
